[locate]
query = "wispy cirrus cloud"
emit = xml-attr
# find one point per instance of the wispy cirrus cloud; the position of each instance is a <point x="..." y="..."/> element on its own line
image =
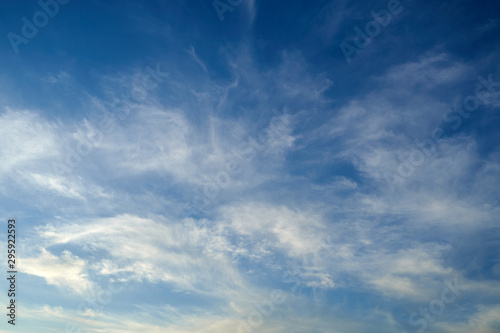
<point x="309" y="212"/>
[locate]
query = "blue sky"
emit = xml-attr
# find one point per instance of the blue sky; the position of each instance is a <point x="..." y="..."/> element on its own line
<point x="252" y="166"/>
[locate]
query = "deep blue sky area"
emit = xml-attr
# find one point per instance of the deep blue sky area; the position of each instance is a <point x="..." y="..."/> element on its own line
<point x="251" y="166"/>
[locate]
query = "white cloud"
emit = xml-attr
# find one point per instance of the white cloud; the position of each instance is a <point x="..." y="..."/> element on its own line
<point x="26" y="139"/>
<point x="66" y="271"/>
<point x="368" y="252"/>
<point x="297" y="233"/>
<point x="430" y="70"/>
<point x="56" y="78"/>
<point x="197" y="59"/>
<point x="485" y="320"/>
<point x="190" y="257"/>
